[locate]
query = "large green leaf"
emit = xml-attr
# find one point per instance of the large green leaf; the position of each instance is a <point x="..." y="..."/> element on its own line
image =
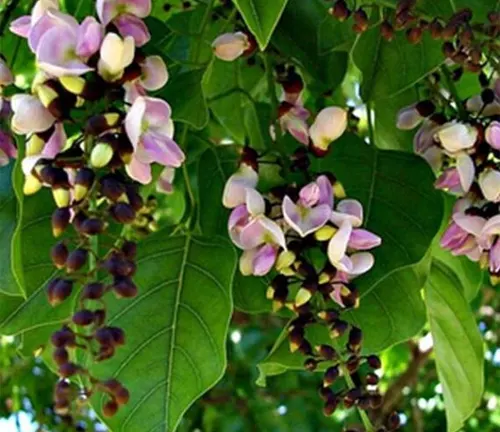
<point x="186" y="97"/>
<point x="304" y="18"/>
<point x="32" y="315"/>
<point x="8" y="215"/>
<point x="176" y="330"/>
<point x="391" y="67"/>
<point x="458" y="347"/>
<point x="261" y="17"/>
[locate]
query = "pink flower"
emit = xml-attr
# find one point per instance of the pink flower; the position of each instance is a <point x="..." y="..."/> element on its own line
<point x="462" y="236"/>
<point x="292" y="119"/>
<point x="349" y="210"/>
<point x="126" y="16"/>
<point x="456" y="137"/>
<point x="23" y="25"/>
<point x="492" y="135"/>
<point x="489" y="182"/>
<point x="408" y="118"/>
<point x="7" y="148"/>
<point x="64" y="46"/>
<point x="329" y="125"/>
<point x="236" y="186"/>
<point x="150" y="129"/>
<point x="30" y="116"/>
<point x="241" y="217"/>
<point x="313" y="208"/>
<point x="494" y="258"/>
<point x="154" y="75"/>
<point x="230" y="46"/>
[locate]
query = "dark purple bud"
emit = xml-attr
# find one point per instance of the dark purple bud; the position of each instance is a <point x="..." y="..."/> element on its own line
<point x="83" y="317"/>
<point x="124" y="287"/>
<point x="129" y="249"/>
<point x="93" y="291"/>
<point x="76" y="260"/>
<point x="60" y="356"/>
<point x="123" y="213"/>
<point x="60" y="220"/>
<point x="68" y="370"/>
<point x="59" y="254"/>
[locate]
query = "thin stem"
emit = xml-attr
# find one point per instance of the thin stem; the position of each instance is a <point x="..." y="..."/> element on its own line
<point x="350" y="383"/>
<point x="454" y="92"/>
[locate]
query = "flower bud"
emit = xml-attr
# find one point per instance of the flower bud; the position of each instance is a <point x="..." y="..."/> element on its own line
<point x="122" y="396"/>
<point x="112" y="188"/>
<point x="93" y="291"/>
<point x="83" y="182"/>
<point x="59" y="255"/>
<point x="331" y="375"/>
<point x="329" y="315"/>
<point x="62" y="338"/>
<point x="436" y="29"/>
<point x="59" y="290"/>
<point x="372" y="379"/>
<point x="31" y="185"/>
<point x="310" y="364"/>
<point x="62" y="196"/>
<point x="408" y="118"/>
<point x="83" y="317"/>
<point x="489" y="182"/>
<point x="101" y="123"/>
<point x="68" y="370"/>
<point x="129" y="249"/>
<point x="387" y="31"/>
<point x="123" y="213"/>
<point x="124" y="287"/>
<point x="101" y="155"/>
<point x="394" y="421"/>
<point x="115" y="55"/>
<point x="374" y="362"/>
<point x="330" y="406"/>
<point x="327" y="352"/>
<point x="92" y="226"/>
<point x="60" y="356"/>
<point x="492" y="135"/>
<point x="76" y="260"/>
<point x="110" y="408"/>
<point x="60" y="221"/>
<point x="285" y="260"/>
<point x="328" y="126"/>
<point x="325" y="233"/>
<point x="340" y="10"/>
<point x="338" y="328"/>
<point x="230" y="46"/>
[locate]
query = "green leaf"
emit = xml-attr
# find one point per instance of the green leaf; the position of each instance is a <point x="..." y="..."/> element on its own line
<point x="32" y="315"/>
<point x="391" y="67"/>
<point x="184" y="94"/>
<point x="334" y="35"/>
<point x="215" y="166"/>
<point x="176" y="330"/>
<point x="458" y="347"/>
<point x="8" y="219"/>
<point x="261" y="17"/>
<point x="304" y="18"/>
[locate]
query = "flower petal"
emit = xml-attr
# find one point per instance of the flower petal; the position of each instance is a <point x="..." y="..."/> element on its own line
<point x="328" y="126"/>
<point x="154" y="73"/>
<point x="362" y="239"/>
<point x="234" y="190"/>
<point x="338" y="243"/>
<point x="89" y="37"/>
<point x="264" y="260"/>
<point x="230" y="46"/>
<point x="348" y="210"/>
<point x="165" y="181"/>
<point x="30" y="116"/>
<point x="325" y="191"/>
<point x="361" y="263"/>
<point x="139" y="171"/>
<point x="130" y="25"/>
<point x="466" y="171"/>
<point x="254" y="202"/>
<point x="21" y="26"/>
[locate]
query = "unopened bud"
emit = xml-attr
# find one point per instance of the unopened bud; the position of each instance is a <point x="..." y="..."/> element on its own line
<point x="62" y="196"/>
<point x="329" y="125"/>
<point x="331" y="374"/>
<point x="387" y="31"/>
<point x="83" y="317"/>
<point x="325" y="233"/>
<point x="110" y="408"/>
<point x="59" y="255"/>
<point x="311" y="364"/>
<point x="31" y="185"/>
<point x="101" y="155"/>
<point x="83" y="182"/>
<point x="60" y="221"/>
<point x="285" y="260"/>
<point x="340" y="10"/>
<point x="76" y="260"/>
<point x="230" y="46"/>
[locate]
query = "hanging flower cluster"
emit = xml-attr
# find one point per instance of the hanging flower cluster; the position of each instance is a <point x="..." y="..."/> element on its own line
<point x="92" y="164"/>
<point x="7" y="148"/>
<point x="465" y="152"/>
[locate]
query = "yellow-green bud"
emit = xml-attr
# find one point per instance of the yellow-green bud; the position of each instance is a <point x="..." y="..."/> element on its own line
<point x="46" y="95"/>
<point x="323" y="278"/>
<point x="325" y="233"/>
<point x="73" y="84"/>
<point x="302" y="297"/>
<point x="31" y="185"/>
<point x="285" y="259"/>
<point x="101" y="155"/>
<point x="270" y="293"/>
<point x="338" y="190"/>
<point x="34" y="145"/>
<point x="61" y="196"/>
<point x="80" y="192"/>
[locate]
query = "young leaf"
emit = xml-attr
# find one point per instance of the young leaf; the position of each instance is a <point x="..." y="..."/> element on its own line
<point x="261" y="17"/>
<point x="458" y="347"/>
<point x="176" y="330"/>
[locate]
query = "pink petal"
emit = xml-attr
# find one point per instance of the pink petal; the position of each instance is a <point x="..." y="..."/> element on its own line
<point x="492" y="135"/>
<point x="90" y="37"/>
<point x="21" y="26"/>
<point x="472" y="224"/>
<point x="466" y="171"/>
<point x="495" y="258"/>
<point x="129" y="25"/>
<point x="325" y="191"/>
<point x="453" y="237"/>
<point x="264" y="260"/>
<point x="246" y="262"/>
<point x="139" y="171"/>
<point x="348" y="210"/>
<point x="234" y="190"/>
<point x="160" y="149"/>
<point x="297" y="128"/>
<point x="273" y="230"/>
<point x="254" y="202"/>
<point x="6" y="77"/>
<point x="252" y="235"/>
<point x="164" y="184"/>
<point x="305" y="220"/>
<point x="361" y="263"/>
<point x="134" y="120"/>
<point x="338" y="243"/>
<point x="158" y="112"/>
<point x="56" y="142"/>
<point x="154" y="73"/>
<point x="449" y="180"/>
<point x="230" y="46"/>
<point x="52" y="19"/>
<point x="133" y="90"/>
<point x="309" y="195"/>
<point x="7" y="146"/>
<point x="30" y="116"/>
<point x="52" y="54"/>
<point x="408" y="118"/>
<point x="362" y="239"/>
<point x="238" y="219"/>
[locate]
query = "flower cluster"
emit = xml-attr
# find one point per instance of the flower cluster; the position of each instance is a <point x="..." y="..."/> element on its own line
<point x="93" y="164"/>
<point x="7" y="148"/>
<point x="309" y="238"/>
<point x="466" y="155"/>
